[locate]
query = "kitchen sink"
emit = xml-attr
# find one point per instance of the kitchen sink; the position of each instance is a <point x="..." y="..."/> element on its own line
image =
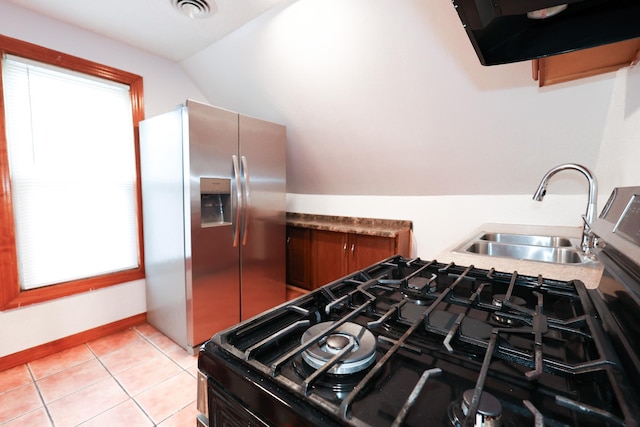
<point x="558" y="255"/>
<point x="542" y="248"/>
<point x="524" y="239"/>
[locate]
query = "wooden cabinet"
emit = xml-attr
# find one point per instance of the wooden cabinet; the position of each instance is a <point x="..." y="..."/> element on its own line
<point x="299" y="257"/>
<point x="365" y="250"/>
<point x="329" y="256"/>
<point x="585" y="63"/>
<point x="337" y="254"/>
<point x="321" y="249"/>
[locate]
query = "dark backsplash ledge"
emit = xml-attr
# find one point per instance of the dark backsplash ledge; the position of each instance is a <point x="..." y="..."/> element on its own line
<point x="347" y="224"/>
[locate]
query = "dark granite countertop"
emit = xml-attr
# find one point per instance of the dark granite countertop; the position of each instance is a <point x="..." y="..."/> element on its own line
<point x="369" y="226"/>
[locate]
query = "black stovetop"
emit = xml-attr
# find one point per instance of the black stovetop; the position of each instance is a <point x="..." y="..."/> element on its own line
<point x="521" y="350"/>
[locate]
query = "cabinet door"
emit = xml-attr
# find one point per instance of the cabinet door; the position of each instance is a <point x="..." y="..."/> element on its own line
<point x="299" y="257"/>
<point x="329" y="256"/>
<point x="585" y="63"/>
<point x="365" y="250"/>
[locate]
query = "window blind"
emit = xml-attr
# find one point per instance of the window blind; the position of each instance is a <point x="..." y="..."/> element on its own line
<point x="72" y="166"/>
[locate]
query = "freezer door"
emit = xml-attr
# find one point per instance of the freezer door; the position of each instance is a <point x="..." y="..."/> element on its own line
<point x="263" y="232"/>
<point x="213" y="277"/>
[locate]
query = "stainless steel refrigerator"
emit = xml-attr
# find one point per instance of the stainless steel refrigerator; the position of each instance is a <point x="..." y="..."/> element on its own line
<point x="213" y="201"/>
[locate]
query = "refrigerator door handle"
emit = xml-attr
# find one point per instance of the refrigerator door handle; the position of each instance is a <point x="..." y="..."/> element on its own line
<point x="246" y="206"/>
<point x="237" y="193"/>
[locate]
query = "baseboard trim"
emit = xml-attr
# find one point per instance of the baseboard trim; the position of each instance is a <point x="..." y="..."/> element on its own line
<point x="33" y="353"/>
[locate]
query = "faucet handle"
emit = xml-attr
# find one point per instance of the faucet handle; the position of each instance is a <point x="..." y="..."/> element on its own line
<point x="589" y="239"/>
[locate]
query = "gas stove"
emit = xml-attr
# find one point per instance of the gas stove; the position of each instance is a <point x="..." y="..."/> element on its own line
<point x="415" y="342"/>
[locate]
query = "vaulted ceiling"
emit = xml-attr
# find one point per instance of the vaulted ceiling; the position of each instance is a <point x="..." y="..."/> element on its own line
<point x="406" y="110"/>
<point x="155" y="26"/>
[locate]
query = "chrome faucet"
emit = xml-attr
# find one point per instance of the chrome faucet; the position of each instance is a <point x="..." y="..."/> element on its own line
<point x="588" y="238"/>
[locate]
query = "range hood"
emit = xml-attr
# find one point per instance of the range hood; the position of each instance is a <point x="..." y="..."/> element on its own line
<point x="505" y="31"/>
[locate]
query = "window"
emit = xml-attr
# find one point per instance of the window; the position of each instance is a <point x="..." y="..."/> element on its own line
<point x="70" y="197"/>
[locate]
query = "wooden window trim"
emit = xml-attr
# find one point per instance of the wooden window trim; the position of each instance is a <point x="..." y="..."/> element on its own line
<point x="11" y="296"/>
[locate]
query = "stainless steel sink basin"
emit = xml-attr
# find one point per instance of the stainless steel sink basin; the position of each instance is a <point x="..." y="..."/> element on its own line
<point x="523" y="239"/>
<point x="558" y="255"/>
<point x="542" y="248"/>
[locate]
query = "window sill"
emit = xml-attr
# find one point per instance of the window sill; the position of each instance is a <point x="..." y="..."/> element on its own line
<point x="21" y="299"/>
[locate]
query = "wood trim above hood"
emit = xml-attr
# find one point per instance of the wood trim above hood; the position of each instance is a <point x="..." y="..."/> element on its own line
<point x="585" y="63"/>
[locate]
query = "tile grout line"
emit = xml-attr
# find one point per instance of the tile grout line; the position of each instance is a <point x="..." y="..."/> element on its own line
<point x="164" y="353"/>
<point x="131" y="397"/>
<point x="182" y="370"/>
<point x="44" y="404"/>
<point x="147" y="339"/>
<point x="35" y="384"/>
<point x="122" y="387"/>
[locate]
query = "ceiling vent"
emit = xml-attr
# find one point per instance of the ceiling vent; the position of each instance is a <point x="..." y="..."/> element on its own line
<point x="195" y="8"/>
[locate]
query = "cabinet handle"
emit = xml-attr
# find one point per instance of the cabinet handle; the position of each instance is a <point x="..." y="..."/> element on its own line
<point x="344" y="248"/>
<point x="353" y="248"/>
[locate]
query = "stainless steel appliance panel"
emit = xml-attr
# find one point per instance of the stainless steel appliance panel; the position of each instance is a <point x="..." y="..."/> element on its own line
<point x="191" y="164"/>
<point x="164" y="223"/>
<point x="213" y="293"/>
<point x="263" y="256"/>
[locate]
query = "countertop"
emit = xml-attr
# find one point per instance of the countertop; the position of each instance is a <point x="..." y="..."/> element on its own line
<point x="369" y="226"/>
<point x="589" y="274"/>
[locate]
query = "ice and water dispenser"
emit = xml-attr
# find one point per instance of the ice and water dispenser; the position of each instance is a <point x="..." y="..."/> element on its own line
<point x="215" y="201"/>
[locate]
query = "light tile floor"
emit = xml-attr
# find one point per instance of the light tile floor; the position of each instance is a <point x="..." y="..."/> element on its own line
<point x="137" y="377"/>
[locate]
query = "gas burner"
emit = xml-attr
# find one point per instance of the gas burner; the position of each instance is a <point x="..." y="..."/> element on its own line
<point x="334" y="388"/>
<point x="498" y="301"/>
<point x="361" y="356"/>
<point x="418" y="287"/>
<point x="488" y="414"/>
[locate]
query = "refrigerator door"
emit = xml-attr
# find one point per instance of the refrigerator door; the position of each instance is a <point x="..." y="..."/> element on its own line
<point x="263" y="232"/>
<point x="213" y="277"/>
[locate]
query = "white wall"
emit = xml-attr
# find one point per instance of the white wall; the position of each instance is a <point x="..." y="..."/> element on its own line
<point x="619" y="157"/>
<point x="165" y="87"/>
<point x="389" y="114"/>
<point x="441" y="221"/>
<point x="387" y="97"/>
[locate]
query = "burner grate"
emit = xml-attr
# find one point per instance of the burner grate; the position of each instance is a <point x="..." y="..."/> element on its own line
<point x="533" y="343"/>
